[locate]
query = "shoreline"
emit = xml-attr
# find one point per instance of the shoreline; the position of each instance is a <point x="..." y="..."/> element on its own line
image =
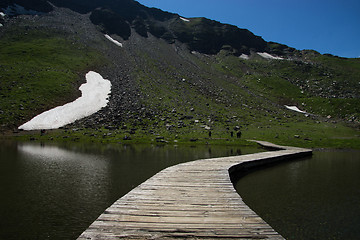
<point x="119" y="136"/>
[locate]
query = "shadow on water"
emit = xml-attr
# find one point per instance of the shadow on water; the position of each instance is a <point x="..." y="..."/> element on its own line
<point x="53" y="191"/>
<point x="313" y="198"/>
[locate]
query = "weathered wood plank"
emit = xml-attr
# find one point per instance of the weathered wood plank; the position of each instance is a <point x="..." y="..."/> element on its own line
<point x="194" y="200"/>
<point x="176" y="213"/>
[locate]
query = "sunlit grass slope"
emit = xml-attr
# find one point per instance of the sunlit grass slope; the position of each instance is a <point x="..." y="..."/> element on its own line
<point x="38" y="70"/>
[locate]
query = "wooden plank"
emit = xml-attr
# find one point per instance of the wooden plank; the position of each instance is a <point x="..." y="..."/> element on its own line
<point x="175" y="213"/>
<point x="194" y="200"/>
<point x="188" y="208"/>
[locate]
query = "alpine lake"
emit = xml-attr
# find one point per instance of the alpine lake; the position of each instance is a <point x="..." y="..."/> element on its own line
<point x="55" y="191"/>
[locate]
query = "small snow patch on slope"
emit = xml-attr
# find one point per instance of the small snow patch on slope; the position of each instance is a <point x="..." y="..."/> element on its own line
<point x="294" y="108"/>
<point x="95" y="93"/>
<point x="113" y="40"/>
<point x="184" y="19"/>
<point x="244" y="56"/>
<point x="269" y="56"/>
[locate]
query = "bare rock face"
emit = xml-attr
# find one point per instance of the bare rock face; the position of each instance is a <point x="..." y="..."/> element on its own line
<point x="119" y="16"/>
<point x="208" y="36"/>
<point x="110" y="22"/>
<point x="17" y="7"/>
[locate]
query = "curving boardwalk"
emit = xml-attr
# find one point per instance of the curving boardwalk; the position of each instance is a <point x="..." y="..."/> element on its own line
<point x="194" y="200"/>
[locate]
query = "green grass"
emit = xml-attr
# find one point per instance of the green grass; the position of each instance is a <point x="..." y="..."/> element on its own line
<point x="303" y="134"/>
<point x="300" y="134"/>
<point x="327" y="85"/>
<point x="38" y="70"/>
<point x="348" y="109"/>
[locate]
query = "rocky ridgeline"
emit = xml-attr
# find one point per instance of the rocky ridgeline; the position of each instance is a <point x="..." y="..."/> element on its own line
<point x="120" y="16"/>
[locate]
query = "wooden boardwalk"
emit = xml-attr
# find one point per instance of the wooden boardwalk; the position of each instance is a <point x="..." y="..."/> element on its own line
<point x="194" y="200"/>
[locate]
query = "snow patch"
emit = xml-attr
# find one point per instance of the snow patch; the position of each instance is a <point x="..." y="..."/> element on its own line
<point x="114" y="41"/>
<point x="95" y="93"/>
<point x="269" y="56"/>
<point x="294" y="108"/>
<point x="244" y="56"/>
<point x="184" y="19"/>
<point x="1" y="25"/>
<point x="2" y="14"/>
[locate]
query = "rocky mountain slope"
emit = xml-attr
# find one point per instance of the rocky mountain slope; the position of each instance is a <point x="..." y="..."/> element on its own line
<point x="172" y="76"/>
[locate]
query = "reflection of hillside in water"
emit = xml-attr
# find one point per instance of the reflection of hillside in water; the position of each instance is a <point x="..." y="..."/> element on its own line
<point x="70" y="172"/>
<point x="53" y="153"/>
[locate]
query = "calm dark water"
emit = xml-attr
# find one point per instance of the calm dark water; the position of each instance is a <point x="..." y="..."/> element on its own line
<point x="57" y="191"/>
<point x="315" y="198"/>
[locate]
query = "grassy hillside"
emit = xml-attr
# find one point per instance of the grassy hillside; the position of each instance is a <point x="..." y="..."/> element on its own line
<point x="228" y="94"/>
<point x="39" y="69"/>
<point x="323" y="85"/>
<point x="166" y="93"/>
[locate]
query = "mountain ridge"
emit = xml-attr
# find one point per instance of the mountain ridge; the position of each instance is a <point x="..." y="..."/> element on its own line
<point x="167" y="83"/>
<point x="118" y="17"/>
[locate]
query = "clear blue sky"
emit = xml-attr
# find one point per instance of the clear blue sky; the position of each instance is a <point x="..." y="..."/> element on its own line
<point x="327" y="26"/>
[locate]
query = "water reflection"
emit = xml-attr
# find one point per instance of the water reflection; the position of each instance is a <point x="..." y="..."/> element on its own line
<point x="57" y="191"/>
<point x="50" y="188"/>
<point x="314" y="198"/>
<point x="49" y="152"/>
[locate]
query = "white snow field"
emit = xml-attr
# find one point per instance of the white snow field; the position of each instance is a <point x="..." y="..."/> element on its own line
<point x="269" y="56"/>
<point x="184" y="19"/>
<point x="94" y="96"/>
<point x="113" y="40"/>
<point x="2" y="15"/>
<point x="294" y="108"/>
<point x="244" y="56"/>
